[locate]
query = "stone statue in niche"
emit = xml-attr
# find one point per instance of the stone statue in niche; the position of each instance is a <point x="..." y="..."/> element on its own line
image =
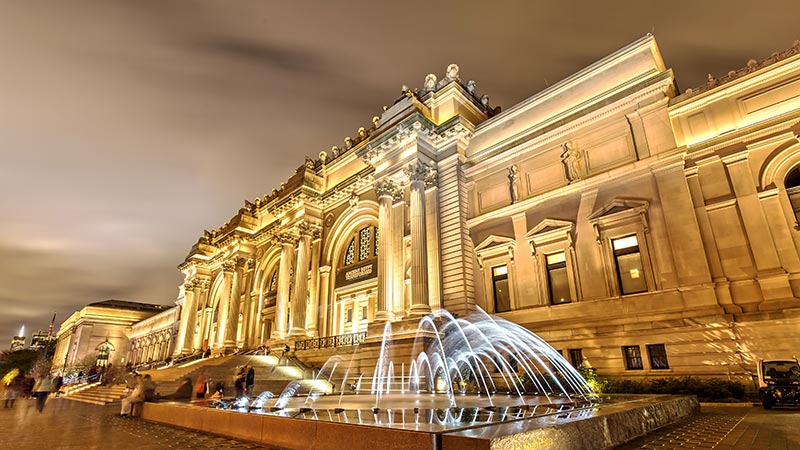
<point x="571" y="159"/>
<point x="513" y="183"/>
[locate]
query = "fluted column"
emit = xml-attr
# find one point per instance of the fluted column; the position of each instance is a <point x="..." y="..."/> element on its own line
<point x="232" y="323"/>
<point x="301" y="283"/>
<point x="312" y="321"/>
<point x="385" y="190"/>
<point x="417" y="172"/>
<point x="228" y="268"/>
<point x="397" y="234"/>
<point x="188" y="304"/>
<point x="200" y="299"/>
<point x="324" y="283"/>
<point x="284" y="281"/>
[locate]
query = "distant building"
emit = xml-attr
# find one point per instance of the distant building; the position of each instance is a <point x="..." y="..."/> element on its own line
<point x="100" y="332"/>
<point x="17" y="343"/>
<point x="40" y="340"/>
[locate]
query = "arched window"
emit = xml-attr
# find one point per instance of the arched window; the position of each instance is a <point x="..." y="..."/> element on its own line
<point x="104" y="353"/>
<point x="273" y="281"/>
<point x="363" y="245"/>
<point x="792" y="183"/>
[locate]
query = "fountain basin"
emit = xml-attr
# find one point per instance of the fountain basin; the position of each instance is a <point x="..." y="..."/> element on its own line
<point x="617" y="420"/>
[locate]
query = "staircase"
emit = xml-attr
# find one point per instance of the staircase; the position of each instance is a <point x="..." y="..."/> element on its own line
<point x="95" y="394"/>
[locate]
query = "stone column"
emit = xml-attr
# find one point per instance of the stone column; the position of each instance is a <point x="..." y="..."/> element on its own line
<point x="188" y="304"/>
<point x="385" y="190"/>
<point x="228" y="268"/>
<point x="301" y="283"/>
<point x="186" y="341"/>
<point x="432" y="238"/>
<point x="200" y="297"/>
<point x="324" y="289"/>
<point x="417" y="172"/>
<point x="312" y="321"/>
<point x="232" y="324"/>
<point x="284" y="281"/>
<point x="396" y="235"/>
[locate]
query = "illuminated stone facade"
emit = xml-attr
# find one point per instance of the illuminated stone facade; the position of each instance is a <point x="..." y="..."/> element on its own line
<point x="100" y="332"/>
<point x="646" y="231"/>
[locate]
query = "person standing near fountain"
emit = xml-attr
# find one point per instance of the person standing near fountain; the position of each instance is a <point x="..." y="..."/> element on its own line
<point x="250" y="380"/>
<point x="238" y="381"/>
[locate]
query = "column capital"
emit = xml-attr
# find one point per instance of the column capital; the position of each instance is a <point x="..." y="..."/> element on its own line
<point x="189" y="285"/>
<point x="386" y="188"/>
<point x="325" y="270"/>
<point x="306" y="229"/>
<point x="284" y="238"/>
<point x="419" y="171"/>
<point x="202" y="283"/>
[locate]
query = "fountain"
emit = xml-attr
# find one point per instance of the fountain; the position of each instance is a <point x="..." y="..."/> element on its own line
<point x="442" y="382"/>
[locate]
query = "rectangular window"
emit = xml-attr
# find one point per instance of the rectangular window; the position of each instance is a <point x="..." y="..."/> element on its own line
<point x="557" y="279"/>
<point x="364" y="313"/>
<point x="633" y="357"/>
<point x="502" y="296"/>
<point x="658" y="356"/>
<point x="348" y="316"/>
<point x="575" y="357"/>
<point x="630" y="271"/>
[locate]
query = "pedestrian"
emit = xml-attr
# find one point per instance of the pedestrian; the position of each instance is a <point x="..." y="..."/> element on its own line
<point x="57" y="383"/>
<point x="267" y="350"/>
<point x="238" y="381"/>
<point x="136" y="396"/>
<point x="41" y="389"/>
<point x="149" y="387"/>
<point x="250" y="380"/>
<point x="201" y="385"/>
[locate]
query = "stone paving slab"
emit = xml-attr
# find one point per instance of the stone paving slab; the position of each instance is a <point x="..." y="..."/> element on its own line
<point x="728" y="428"/>
<point x="66" y="425"/>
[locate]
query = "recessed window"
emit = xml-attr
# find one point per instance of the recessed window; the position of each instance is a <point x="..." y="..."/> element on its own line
<point x="348" y="315"/>
<point x="576" y="357"/>
<point x="364" y="312"/>
<point x="273" y="281"/>
<point x="502" y="296"/>
<point x="628" y="259"/>
<point x="633" y="357"/>
<point x="658" y="356"/>
<point x="792" y="184"/>
<point x="350" y="254"/>
<point x="557" y="279"/>
<point x="363" y="245"/>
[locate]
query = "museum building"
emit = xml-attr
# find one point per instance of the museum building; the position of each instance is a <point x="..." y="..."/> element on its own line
<point x="636" y="228"/>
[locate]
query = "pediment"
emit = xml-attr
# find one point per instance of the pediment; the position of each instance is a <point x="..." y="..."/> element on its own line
<point x="547" y="226"/>
<point x="495" y="242"/>
<point x="620" y="206"/>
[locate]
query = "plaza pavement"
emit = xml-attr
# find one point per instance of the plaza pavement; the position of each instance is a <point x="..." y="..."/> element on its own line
<point x="71" y="425"/>
<point x="68" y="425"/>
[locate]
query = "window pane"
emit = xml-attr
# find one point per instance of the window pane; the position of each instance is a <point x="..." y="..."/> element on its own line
<point x="633" y="357"/>
<point x="499" y="270"/>
<point x="625" y="242"/>
<point x="556" y="258"/>
<point x="575" y="357"/>
<point x="559" y="285"/>
<point x="631" y="273"/>
<point x="364" y="244"/>
<point x="658" y="356"/>
<point x="502" y="298"/>
<point x="349" y="256"/>
<point x="377" y="236"/>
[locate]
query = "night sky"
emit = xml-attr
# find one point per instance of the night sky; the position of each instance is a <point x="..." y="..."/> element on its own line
<point x="128" y="127"/>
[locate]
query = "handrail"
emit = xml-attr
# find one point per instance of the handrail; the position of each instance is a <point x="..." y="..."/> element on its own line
<point x="341" y="340"/>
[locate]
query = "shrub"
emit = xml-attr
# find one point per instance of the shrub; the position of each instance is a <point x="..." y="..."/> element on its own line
<point x="706" y="389"/>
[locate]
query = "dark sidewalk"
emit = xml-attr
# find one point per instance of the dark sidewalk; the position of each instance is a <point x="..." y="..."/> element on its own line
<point x="728" y="428"/>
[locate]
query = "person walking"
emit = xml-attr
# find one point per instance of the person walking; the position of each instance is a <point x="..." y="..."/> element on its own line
<point x="250" y="380"/>
<point x="41" y="389"/>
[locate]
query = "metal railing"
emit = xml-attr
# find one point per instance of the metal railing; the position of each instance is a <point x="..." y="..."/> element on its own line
<point x="342" y="340"/>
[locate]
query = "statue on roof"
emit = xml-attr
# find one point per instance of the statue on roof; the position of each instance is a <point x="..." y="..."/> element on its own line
<point x="452" y="72"/>
<point x="430" y="83"/>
